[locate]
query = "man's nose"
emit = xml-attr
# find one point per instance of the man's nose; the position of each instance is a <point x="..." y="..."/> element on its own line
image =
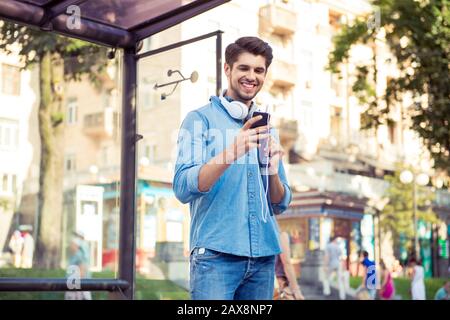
<point x="251" y="75"/>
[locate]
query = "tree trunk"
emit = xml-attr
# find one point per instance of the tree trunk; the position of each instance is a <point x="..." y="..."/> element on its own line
<point x="51" y="131"/>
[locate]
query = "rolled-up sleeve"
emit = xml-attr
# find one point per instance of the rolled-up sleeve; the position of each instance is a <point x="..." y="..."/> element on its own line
<point x="190" y="158"/>
<point x="280" y="207"/>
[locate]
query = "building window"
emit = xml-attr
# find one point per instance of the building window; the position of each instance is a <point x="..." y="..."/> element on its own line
<point x="307" y="116"/>
<point x="72" y="106"/>
<point x="4" y="182"/>
<point x="336" y="84"/>
<point x="9" y="133"/>
<point x="150" y="152"/>
<point x="105" y="156"/>
<point x="70" y="163"/>
<point x="391" y="130"/>
<point x="10" y="80"/>
<point x="336" y="124"/>
<point x="14" y="183"/>
<point x="306" y="64"/>
<point x="149" y="98"/>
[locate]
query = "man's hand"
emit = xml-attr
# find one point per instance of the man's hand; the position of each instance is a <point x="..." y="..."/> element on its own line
<point x="275" y="155"/>
<point x="247" y="139"/>
<point x="298" y="294"/>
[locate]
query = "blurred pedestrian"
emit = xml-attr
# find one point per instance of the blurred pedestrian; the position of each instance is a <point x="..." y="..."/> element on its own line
<point x="16" y="247"/>
<point x="28" y="247"/>
<point x="288" y="288"/>
<point x="387" y="290"/>
<point x="333" y="268"/>
<point x="369" y="280"/>
<point x="417" y="279"/>
<point x="78" y="268"/>
<point x="444" y="292"/>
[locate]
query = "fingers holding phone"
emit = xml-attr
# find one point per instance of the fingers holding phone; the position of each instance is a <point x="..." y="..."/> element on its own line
<point x="249" y="137"/>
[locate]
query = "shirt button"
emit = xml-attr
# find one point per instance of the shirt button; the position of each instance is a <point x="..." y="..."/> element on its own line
<point x="250" y="174"/>
<point x="252" y="195"/>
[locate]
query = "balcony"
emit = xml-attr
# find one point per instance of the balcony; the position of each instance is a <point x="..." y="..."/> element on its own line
<point x="282" y="74"/>
<point x="277" y="20"/>
<point x="325" y="179"/>
<point x="101" y="124"/>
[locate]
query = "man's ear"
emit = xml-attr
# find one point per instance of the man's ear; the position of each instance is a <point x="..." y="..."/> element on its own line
<point x="227" y="69"/>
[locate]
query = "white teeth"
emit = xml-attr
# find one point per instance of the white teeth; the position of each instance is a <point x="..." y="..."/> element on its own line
<point x="248" y="85"/>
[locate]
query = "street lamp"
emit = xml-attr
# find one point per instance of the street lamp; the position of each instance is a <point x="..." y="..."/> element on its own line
<point x="422" y="179"/>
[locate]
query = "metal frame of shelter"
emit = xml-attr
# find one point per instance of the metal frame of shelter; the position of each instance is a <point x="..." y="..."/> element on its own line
<point x="51" y="16"/>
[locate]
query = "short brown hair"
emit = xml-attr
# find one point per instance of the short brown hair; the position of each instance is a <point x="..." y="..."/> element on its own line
<point x="252" y="45"/>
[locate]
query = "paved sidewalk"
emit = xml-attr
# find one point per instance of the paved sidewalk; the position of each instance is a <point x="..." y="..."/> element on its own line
<point x="314" y="292"/>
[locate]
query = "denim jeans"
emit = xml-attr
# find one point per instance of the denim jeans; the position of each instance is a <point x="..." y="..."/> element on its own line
<point x="219" y="276"/>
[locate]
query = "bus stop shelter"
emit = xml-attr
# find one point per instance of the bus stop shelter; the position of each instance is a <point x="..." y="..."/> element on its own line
<point x="118" y="24"/>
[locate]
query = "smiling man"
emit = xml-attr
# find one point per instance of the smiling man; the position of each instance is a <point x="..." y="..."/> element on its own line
<point x="234" y="235"/>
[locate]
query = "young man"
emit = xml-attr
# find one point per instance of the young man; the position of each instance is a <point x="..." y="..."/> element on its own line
<point x="234" y="235"/>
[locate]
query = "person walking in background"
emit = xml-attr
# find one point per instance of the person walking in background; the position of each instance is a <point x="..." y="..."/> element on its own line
<point x="288" y="288"/>
<point x="444" y="292"/>
<point x="333" y="268"/>
<point x="16" y="246"/>
<point x="417" y="280"/>
<point x="28" y="247"/>
<point x="78" y="268"/>
<point x="369" y="280"/>
<point x="387" y="290"/>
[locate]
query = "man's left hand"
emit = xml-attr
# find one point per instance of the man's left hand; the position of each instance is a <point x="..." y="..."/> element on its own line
<point x="275" y="155"/>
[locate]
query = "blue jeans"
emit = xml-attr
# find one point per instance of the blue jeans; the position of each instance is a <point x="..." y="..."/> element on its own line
<point x="219" y="276"/>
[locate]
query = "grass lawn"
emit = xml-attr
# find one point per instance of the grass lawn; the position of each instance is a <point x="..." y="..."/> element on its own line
<point x="402" y="286"/>
<point x="146" y="289"/>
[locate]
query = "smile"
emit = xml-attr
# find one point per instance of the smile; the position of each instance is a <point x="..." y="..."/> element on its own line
<point x="247" y="85"/>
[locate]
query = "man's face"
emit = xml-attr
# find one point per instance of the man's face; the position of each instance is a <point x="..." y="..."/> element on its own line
<point x="246" y="77"/>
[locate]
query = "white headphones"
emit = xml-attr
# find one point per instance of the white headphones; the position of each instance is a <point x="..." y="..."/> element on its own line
<point x="236" y="109"/>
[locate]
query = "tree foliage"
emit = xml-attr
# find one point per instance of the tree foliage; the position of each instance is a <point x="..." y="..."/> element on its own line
<point x="58" y="60"/>
<point x="397" y="216"/>
<point x="418" y="35"/>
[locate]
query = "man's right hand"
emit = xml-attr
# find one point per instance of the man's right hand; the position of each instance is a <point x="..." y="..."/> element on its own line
<point x="247" y="139"/>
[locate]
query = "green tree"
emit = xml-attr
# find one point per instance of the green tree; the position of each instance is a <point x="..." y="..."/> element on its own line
<point x="58" y="59"/>
<point x="418" y="35"/>
<point x="397" y="217"/>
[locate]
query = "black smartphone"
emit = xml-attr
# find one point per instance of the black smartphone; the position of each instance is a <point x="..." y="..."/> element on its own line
<point x="261" y="122"/>
<point x="264" y="121"/>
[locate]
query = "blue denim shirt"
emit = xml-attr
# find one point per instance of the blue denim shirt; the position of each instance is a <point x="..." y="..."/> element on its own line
<point x="228" y="217"/>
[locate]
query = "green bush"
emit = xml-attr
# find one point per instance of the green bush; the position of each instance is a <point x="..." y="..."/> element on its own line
<point x="146" y="289"/>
